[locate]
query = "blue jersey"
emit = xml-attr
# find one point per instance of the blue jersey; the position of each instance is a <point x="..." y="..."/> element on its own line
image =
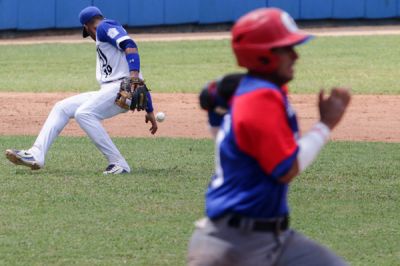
<point x="111" y="59"/>
<point x="255" y="146"/>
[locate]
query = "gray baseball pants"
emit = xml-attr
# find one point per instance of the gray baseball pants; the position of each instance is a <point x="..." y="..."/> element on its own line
<point x="216" y="243"/>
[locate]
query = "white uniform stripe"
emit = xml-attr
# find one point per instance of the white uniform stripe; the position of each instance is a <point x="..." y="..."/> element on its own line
<point x="123" y="38"/>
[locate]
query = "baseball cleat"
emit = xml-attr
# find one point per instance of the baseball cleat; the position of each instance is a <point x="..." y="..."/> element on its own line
<point x="114" y="169"/>
<point x="22" y="157"/>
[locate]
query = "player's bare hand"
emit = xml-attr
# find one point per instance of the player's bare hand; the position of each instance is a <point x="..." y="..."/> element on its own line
<point x="152" y="119"/>
<point x="333" y="107"/>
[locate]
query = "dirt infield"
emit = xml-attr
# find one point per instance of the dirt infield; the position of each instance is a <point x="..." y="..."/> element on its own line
<point x="370" y="118"/>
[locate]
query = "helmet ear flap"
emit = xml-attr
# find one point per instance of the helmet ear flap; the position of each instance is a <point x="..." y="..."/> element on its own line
<point x="269" y="62"/>
<point x="257" y="59"/>
<point x="237" y="39"/>
<point x="264" y="60"/>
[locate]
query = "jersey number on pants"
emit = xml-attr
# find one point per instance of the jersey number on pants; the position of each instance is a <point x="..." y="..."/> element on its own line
<point x="106" y="68"/>
<point x="219" y="173"/>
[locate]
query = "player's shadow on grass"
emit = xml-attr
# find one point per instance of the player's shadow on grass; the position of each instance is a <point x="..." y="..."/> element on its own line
<point x="165" y="172"/>
<point x="23" y="171"/>
<point x="140" y="171"/>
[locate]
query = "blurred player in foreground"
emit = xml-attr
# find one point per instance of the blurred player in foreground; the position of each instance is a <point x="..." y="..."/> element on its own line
<point x="117" y="67"/>
<point x="259" y="152"/>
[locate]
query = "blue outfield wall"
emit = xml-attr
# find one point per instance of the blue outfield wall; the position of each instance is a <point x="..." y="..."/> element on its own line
<point x="146" y="12"/>
<point x="345" y="9"/>
<point x="47" y="14"/>
<point x="211" y="11"/>
<point x="8" y="14"/>
<point x="181" y="12"/>
<point x="381" y="9"/>
<point x="291" y="6"/>
<point x="36" y="14"/>
<point x="67" y="12"/>
<point x="243" y="6"/>
<point x="113" y="9"/>
<point x="320" y="9"/>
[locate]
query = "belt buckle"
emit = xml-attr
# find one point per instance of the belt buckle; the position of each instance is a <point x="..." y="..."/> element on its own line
<point x="246" y="224"/>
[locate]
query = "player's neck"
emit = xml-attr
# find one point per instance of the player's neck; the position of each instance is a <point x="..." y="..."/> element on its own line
<point x="273" y="78"/>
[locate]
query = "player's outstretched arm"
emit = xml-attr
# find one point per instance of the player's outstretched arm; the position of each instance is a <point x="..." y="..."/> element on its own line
<point x="132" y="54"/>
<point x="332" y="109"/>
<point x="152" y="119"/>
<point x="132" y="57"/>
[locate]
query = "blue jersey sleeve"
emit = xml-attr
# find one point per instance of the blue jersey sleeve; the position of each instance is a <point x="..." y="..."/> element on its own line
<point x="111" y="32"/>
<point x="149" y="107"/>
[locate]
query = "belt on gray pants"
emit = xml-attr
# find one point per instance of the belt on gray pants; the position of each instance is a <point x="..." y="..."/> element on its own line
<point x="274" y="225"/>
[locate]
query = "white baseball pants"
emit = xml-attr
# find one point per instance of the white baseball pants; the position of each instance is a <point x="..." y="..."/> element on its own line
<point x="88" y="109"/>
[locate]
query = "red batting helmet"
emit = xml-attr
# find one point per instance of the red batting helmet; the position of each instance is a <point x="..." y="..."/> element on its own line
<point x="256" y="33"/>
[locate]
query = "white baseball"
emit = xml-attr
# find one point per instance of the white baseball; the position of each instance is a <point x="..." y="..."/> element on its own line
<point x="160" y="116"/>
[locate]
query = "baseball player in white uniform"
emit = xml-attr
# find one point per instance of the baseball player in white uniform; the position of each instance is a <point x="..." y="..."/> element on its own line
<point x="117" y="58"/>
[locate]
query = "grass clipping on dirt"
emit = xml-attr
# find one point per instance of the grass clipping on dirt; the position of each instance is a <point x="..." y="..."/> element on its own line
<point x="69" y="213"/>
<point x="367" y="64"/>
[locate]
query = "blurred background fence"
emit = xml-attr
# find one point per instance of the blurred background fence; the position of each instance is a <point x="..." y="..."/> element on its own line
<point x="56" y="14"/>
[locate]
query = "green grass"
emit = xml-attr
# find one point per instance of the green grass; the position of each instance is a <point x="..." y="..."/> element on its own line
<point x="368" y="64"/>
<point x="68" y="213"/>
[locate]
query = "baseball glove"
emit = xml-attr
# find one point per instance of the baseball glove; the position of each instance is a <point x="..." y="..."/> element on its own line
<point x="132" y="94"/>
<point x="216" y="95"/>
